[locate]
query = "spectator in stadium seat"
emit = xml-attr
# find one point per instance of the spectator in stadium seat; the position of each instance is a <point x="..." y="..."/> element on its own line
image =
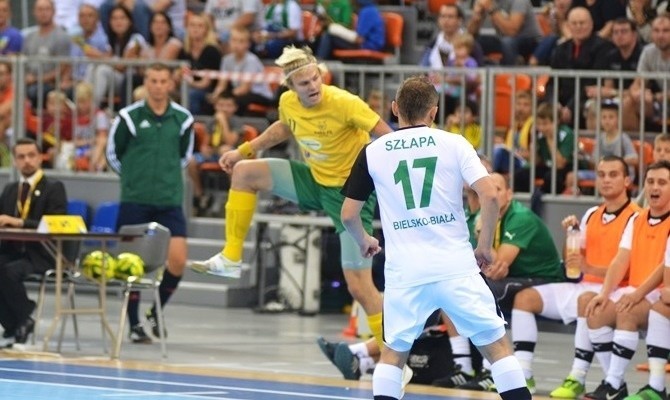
<point x="149" y="144"/>
<point x="557" y="14"/>
<point x="643" y="13"/>
<point x="517" y="140"/>
<point x="241" y="60"/>
<point x="600" y="231"/>
<point x="655" y="57"/>
<point x="624" y="57"/>
<point x="581" y="52"/>
<point x="202" y="52"/>
<point x="224" y="134"/>
<point x="616" y="315"/>
<point x="550" y="134"/>
<point x="603" y="12"/>
<point x="89" y="41"/>
<point x="46" y="39"/>
<point x="90" y="131"/>
<point x="282" y="26"/>
<point x="143" y="11"/>
<point x="11" y="40"/>
<point x="229" y="14"/>
<point x="369" y="34"/>
<point x="125" y="43"/>
<point x="331" y="126"/>
<point x="515" y="24"/>
<point x="450" y="23"/>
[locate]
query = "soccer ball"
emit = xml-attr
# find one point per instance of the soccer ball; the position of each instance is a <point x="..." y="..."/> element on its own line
<point x="91" y="265"/>
<point x="127" y="265"/>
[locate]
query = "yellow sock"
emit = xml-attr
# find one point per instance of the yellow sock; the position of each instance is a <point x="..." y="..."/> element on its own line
<point x="375" y="324"/>
<point x="240" y="209"/>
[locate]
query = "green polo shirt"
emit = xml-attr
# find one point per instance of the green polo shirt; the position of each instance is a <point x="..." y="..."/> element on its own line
<point x="538" y="257"/>
<point x="149" y="151"/>
<point x="565" y="145"/>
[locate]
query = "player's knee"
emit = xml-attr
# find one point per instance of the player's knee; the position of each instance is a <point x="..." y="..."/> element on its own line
<point x="583" y="300"/>
<point x="528" y="300"/>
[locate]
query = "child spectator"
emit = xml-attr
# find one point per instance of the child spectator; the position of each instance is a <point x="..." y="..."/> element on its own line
<point x="517" y="139"/>
<point x="90" y="131"/>
<point x="452" y="84"/>
<point x="226" y="135"/>
<point x="242" y="61"/>
<point x="376" y="102"/>
<point x="464" y="122"/>
<point x="550" y="135"/>
<point x="55" y="127"/>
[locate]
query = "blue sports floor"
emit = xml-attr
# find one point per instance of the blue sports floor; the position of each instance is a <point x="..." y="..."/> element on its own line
<point x="36" y="380"/>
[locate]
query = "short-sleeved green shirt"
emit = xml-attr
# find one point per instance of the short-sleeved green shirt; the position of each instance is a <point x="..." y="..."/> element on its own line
<point x="538" y="257"/>
<point x="471" y="218"/>
<point x="565" y="145"/>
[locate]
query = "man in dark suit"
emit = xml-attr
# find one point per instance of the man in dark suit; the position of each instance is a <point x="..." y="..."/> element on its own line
<point x="22" y="205"/>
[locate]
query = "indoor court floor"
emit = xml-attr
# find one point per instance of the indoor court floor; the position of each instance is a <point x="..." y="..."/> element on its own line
<point x="229" y="354"/>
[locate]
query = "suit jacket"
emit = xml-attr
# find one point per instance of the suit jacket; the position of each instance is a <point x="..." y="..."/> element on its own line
<point x="48" y="198"/>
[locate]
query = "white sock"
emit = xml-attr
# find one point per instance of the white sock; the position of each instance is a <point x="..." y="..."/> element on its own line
<point x="359" y="349"/>
<point x="387" y="381"/>
<point x="524" y="336"/>
<point x="507" y="375"/>
<point x="460" y="350"/>
<point x="580" y="366"/>
<point x="658" y="348"/>
<point x="367" y="364"/>
<point x="602" y="337"/>
<point x="626" y="343"/>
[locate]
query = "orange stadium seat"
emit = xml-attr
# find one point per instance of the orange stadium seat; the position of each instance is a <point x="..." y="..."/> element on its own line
<point x="434" y="5"/>
<point x="644" y="151"/>
<point x="394" y="27"/>
<point x="503" y="96"/>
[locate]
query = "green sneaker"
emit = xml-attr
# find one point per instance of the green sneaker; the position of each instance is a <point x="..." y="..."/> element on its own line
<point x="647" y="393"/>
<point x="530" y="384"/>
<point x="571" y="388"/>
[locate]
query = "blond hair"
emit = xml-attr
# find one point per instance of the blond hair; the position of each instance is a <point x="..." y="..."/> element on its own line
<point x="210" y="35"/>
<point x="293" y="59"/>
<point x="83" y="90"/>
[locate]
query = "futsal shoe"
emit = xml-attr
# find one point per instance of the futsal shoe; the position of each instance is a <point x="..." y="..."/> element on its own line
<point x="347" y="362"/>
<point x="648" y="393"/>
<point x="570" y="389"/>
<point x="605" y="391"/>
<point x="218" y="265"/>
<point x="482" y="382"/>
<point x="327" y="348"/>
<point x="152" y="319"/>
<point x="137" y="335"/>
<point x="458" y="377"/>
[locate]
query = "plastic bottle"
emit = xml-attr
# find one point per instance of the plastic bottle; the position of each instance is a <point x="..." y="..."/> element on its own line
<point x="572" y="246"/>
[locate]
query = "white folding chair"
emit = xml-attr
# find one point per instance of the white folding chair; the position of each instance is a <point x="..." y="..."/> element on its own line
<point x="152" y="247"/>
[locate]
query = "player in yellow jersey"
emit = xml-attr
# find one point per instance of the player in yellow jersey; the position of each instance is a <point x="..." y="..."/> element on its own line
<point x="331" y="126"/>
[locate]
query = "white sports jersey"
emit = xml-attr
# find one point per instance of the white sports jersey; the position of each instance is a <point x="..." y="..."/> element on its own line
<point x="418" y="174"/>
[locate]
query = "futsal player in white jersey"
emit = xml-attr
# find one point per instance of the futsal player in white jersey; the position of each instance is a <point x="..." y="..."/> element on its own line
<point x="418" y="173"/>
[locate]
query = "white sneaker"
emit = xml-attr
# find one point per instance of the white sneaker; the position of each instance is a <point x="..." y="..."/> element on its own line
<point x="218" y="265"/>
<point x="407" y="374"/>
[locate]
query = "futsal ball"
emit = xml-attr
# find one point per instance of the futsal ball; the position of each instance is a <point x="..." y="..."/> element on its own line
<point x="91" y="265"/>
<point x="127" y="265"/>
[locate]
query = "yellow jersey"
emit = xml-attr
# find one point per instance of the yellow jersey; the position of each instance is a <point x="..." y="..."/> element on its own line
<point x="330" y="134"/>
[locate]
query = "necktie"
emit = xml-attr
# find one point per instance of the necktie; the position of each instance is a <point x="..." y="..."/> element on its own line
<point x="25" y="189"/>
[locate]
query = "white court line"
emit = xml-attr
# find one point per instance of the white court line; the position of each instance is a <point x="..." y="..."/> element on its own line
<point x="177" y="384"/>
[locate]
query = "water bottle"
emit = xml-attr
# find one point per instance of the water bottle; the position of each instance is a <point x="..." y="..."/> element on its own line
<point x="572" y="246"/>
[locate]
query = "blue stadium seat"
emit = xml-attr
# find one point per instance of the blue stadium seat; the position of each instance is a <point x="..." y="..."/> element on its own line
<point x="105" y="217"/>
<point x="79" y="207"/>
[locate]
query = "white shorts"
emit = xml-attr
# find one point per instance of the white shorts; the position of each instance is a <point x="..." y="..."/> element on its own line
<point x="560" y="299"/>
<point x="652" y="297"/>
<point x="467" y="301"/>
